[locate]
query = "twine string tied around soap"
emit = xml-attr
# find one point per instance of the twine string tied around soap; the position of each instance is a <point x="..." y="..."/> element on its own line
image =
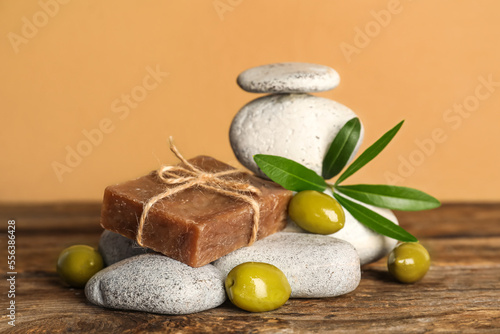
<point x="187" y="176"/>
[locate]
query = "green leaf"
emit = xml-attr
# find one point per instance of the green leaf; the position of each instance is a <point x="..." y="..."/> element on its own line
<point x="390" y="197"/>
<point x="341" y="148"/>
<point x="289" y="174"/>
<point x="370" y="153"/>
<point x="375" y="221"/>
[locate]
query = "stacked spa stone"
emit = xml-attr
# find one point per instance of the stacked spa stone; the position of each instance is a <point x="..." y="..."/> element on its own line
<point x="291" y="123"/>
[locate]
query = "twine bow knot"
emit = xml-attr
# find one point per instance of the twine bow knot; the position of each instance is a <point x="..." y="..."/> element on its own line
<point x="187" y="175"/>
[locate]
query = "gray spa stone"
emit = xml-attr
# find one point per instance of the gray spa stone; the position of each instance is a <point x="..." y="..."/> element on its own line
<point x="115" y="247"/>
<point x="157" y="284"/>
<point x="371" y="246"/>
<point x="315" y="265"/>
<point x="300" y="127"/>
<point x="289" y="78"/>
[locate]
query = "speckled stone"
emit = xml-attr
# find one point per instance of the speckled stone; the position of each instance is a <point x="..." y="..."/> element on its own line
<point x="315" y="265"/>
<point x="300" y="127"/>
<point x="289" y="78"/>
<point x="157" y="284"/>
<point x="115" y="247"/>
<point x="371" y="246"/>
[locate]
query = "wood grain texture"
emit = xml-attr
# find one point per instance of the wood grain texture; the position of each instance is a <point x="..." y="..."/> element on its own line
<point x="461" y="292"/>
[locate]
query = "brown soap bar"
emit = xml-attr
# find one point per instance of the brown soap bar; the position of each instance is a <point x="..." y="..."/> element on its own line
<point x="195" y="226"/>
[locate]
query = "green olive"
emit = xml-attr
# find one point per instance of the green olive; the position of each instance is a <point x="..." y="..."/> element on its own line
<point x="408" y="262"/>
<point x="257" y="287"/>
<point x="316" y="212"/>
<point x="77" y="264"/>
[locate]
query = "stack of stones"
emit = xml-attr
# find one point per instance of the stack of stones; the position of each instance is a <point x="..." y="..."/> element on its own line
<point x="290" y="123"/>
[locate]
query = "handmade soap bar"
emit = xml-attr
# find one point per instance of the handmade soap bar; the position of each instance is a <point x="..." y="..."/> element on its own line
<point x="197" y="225"/>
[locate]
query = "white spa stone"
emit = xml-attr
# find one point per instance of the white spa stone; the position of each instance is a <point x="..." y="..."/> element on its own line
<point x="315" y="265"/>
<point x="371" y="246"/>
<point x="115" y="247"/>
<point x="288" y="78"/>
<point x="299" y="127"/>
<point x="157" y="284"/>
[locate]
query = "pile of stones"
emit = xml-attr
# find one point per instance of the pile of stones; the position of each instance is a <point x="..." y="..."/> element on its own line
<point x="291" y="123"/>
<point x="288" y="122"/>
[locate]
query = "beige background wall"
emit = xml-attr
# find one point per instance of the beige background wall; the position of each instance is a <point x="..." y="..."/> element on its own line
<point x="68" y="68"/>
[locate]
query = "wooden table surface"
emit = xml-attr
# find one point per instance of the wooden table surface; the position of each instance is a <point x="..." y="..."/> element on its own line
<point x="460" y="293"/>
